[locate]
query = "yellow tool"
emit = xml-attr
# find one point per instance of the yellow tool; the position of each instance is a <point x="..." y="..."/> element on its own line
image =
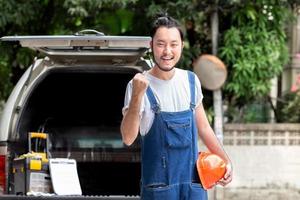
<point x="38" y="144"/>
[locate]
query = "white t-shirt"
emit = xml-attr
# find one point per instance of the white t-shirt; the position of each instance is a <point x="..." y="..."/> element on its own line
<point x="172" y="95"/>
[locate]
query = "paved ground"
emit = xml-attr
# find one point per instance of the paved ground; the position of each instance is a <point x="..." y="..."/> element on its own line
<point x="255" y="194"/>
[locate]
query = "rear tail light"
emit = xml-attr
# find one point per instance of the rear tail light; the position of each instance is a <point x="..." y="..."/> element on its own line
<point x="2" y="174"/>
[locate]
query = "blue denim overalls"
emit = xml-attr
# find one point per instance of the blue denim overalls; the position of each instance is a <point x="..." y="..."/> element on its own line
<point x="169" y="154"/>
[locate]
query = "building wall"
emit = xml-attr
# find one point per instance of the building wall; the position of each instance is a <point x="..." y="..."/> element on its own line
<point x="266" y="161"/>
<point x="264" y="154"/>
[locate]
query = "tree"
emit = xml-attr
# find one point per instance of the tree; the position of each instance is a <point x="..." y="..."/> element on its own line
<point x="255" y="51"/>
<point x="245" y="31"/>
<point x="42" y="17"/>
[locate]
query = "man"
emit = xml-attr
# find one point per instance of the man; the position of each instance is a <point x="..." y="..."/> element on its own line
<point x="164" y="104"/>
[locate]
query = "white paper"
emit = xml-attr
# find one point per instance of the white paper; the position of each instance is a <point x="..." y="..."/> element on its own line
<point x="64" y="176"/>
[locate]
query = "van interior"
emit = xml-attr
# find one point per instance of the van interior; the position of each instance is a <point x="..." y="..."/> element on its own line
<point x="81" y="110"/>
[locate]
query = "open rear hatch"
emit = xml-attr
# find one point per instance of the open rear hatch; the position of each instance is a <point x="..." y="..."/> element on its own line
<point x="78" y="103"/>
<point x="108" y="49"/>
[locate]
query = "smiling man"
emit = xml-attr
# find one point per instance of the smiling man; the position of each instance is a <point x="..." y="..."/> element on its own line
<point x="164" y="104"/>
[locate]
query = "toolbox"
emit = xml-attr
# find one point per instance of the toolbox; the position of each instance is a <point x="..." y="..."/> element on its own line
<point x="31" y="170"/>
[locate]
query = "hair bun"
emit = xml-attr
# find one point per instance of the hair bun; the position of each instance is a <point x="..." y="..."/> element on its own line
<point x="161" y="14"/>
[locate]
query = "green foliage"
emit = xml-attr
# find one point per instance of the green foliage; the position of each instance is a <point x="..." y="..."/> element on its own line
<point x="120" y="23"/>
<point x="5" y="74"/>
<point x="18" y="13"/>
<point x="252" y="44"/>
<point x="5" y="84"/>
<point x="252" y="35"/>
<point x="188" y="55"/>
<point x="195" y="26"/>
<point x="254" y="49"/>
<point x="288" y="109"/>
<point x="257" y="111"/>
<point x="42" y="17"/>
<point x="108" y="16"/>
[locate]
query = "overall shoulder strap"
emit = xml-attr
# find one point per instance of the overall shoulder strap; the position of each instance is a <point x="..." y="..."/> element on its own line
<point x="192" y="89"/>
<point x="154" y="105"/>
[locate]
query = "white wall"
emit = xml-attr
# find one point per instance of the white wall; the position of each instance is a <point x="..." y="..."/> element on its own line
<point x="265" y="166"/>
<point x="266" y="162"/>
<point x="264" y="155"/>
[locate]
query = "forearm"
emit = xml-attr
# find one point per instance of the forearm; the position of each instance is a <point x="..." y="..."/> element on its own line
<point x="207" y="134"/>
<point x="131" y="121"/>
<point x="209" y="138"/>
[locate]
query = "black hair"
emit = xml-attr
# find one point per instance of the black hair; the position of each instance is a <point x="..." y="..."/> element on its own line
<point x="164" y="20"/>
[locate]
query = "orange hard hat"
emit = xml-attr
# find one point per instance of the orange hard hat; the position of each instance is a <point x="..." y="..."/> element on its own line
<point x="211" y="168"/>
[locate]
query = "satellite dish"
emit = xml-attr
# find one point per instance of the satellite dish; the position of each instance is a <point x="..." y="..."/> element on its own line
<point x="211" y="71"/>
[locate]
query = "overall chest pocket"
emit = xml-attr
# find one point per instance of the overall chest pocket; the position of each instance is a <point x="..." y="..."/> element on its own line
<point x="178" y="133"/>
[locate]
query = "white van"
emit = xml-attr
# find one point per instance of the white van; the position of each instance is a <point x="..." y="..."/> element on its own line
<point x="75" y="94"/>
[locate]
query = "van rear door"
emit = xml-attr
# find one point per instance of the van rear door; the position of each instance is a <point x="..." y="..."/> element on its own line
<point x="97" y="50"/>
<point x="70" y="50"/>
<point x="113" y="49"/>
